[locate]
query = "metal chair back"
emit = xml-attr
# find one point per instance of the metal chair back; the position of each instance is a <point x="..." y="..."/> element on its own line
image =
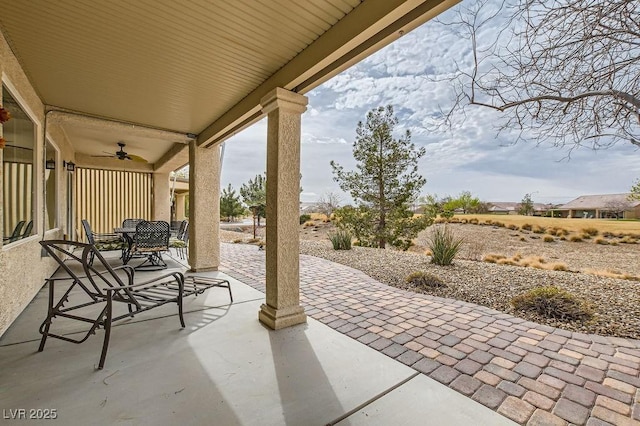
<point x="131" y="223"/>
<point x="87" y="231"/>
<point x="152" y="236"/>
<point x="17" y="231"/>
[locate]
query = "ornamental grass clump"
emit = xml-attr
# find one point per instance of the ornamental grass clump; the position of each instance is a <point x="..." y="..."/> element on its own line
<point x="444" y="245"/>
<point x="341" y="240"/>
<point x="424" y="280"/>
<point x="552" y="302"/>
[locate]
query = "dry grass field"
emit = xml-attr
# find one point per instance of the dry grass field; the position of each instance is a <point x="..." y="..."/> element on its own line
<point x="571" y="225"/>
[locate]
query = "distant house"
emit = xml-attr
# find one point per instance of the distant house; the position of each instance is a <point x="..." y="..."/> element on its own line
<point x="499" y="207"/>
<point x="607" y="206"/>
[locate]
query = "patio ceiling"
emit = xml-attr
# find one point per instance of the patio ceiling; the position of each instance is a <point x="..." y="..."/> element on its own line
<point x="197" y="67"/>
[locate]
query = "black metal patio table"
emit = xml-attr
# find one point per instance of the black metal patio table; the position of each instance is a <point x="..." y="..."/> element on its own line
<point x="128" y="235"/>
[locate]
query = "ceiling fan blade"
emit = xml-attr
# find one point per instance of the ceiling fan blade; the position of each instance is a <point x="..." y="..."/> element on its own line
<point x="136" y="158"/>
<point x="104" y="156"/>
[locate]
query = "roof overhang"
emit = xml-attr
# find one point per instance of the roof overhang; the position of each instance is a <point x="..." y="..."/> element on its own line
<point x="156" y="74"/>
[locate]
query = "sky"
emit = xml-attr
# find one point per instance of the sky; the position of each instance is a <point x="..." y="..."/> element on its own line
<point x="409" y="74"/>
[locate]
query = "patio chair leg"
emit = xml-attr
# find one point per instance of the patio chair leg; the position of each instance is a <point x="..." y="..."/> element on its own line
<point x="107" y="330"/>
<point x="47" y="321"/>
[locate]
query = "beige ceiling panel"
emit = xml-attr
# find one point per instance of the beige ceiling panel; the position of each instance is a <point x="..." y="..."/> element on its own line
<point x="166" y="64"/>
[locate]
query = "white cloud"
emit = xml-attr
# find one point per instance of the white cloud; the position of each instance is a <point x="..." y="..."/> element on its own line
<point x="411" y="74"/>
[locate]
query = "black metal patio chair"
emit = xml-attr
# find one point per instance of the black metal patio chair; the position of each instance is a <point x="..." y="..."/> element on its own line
<point x="151" y="240"/>
<point x="131" y="223"/>
<point x="105" y="286"/>
<point x="15" y="235"/>
<point x="104" y="242"/>
<point x="181" y="241"/>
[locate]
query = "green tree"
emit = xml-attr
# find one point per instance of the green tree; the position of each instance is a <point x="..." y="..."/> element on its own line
<point x="526" y="205"/>
<point x="230" y="205"/>
<point x="385" y="183"/>
<point x="254" y="195"/>
<point x="468" y="203"/>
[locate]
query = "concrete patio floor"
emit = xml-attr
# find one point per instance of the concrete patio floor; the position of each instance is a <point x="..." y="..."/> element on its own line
<point x="225" y="368"/>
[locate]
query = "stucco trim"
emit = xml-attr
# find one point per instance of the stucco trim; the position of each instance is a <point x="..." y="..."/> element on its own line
<point x="20" y="242"/>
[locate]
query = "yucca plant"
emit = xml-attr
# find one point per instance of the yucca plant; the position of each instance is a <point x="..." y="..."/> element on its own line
<point x="341" y="240"/>
<point x="444" y="245"/>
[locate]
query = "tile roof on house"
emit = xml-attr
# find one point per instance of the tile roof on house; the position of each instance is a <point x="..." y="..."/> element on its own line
<point x="590" y="202"/>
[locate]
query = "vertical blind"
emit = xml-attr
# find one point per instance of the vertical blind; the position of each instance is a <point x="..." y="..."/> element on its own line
<point x="16" y="194"/>
<point x="106" y="197"/>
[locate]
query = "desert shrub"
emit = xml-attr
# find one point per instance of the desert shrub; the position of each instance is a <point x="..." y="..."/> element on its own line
<point x="601" y="241"/>
<point x="464" y="221"/>
<point x="585" y="236"/>
<point x="253" y="240"/>
<point x="548" y="239"/>
<point x="473" y="221"/>
<point x="304" y="218"/>
<point x="517" y="256"/>
<point x="447" y="214"/>
<point x="557" y="266"/>
<point x="590" y="231"/>
<point x="552" y="302"/>
<point x="425" y="279"/>
<point x="562" y="232"/>
<point x="538" y="230"/>
<point x="498" y="224"/>
<point x="444" y="245"/>
<point x="237" y="241"/>
<point x="506" y="261"/>
<point x="575" y="239"/>
<point x="608" y="234"/>
<point x="628" y="240"/>
<point x="341" y="239"/>
<point x="309" y="223"/>
<point x="493" y="258"/>
<point x="523" y="239"/>
<point x="563" y="238"/>
<point x="527" y="226"/>
<point x="512" y="226"/>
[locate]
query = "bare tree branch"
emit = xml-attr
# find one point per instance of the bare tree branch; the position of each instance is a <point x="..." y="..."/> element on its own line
<point x="566" y="72"/>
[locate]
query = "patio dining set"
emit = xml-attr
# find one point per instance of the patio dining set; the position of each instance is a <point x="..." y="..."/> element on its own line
<point x="138" y="238"/>
<point x="83" y="271"/>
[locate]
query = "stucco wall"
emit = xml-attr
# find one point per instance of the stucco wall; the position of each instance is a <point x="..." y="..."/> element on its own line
<point x="22" y="269"/>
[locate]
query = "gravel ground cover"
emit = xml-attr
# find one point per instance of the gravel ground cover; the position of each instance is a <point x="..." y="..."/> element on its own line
<point x="616" y="302"/>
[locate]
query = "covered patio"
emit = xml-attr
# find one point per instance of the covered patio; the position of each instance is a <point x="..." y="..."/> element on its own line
<point x="172" y="82"/>
<point x="223" y="368"/>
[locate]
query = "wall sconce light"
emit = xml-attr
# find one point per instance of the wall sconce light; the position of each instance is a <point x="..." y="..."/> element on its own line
<point x="50" y="164"/>
<point x="69" y="165"/>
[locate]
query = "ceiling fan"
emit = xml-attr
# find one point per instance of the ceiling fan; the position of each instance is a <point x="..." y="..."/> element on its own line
<point x="122" y="155"/>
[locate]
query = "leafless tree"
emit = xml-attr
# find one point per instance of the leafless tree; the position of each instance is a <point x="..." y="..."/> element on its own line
<point x="329" y="202"/>
<point x="563" y="71"/>
<point x="616" y="208"/>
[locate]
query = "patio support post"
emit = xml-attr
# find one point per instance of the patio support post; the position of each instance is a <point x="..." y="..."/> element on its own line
<point x="282" y="308"/>
<point x="161" y="197"/>
<point x="204" y="207"/>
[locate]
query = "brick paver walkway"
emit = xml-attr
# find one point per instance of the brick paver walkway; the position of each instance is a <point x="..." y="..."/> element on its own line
<point x="531" y="373"/>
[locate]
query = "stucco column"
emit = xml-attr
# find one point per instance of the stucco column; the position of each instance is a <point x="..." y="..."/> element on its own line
<point x="161" y="197"/>
<point x="204" y="208"/>
<point x="180" y="213"/>
<point x="282" y="307"/>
